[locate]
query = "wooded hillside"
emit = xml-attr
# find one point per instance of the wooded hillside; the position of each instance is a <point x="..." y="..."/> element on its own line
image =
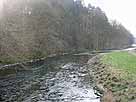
<point x="36" y="28"/>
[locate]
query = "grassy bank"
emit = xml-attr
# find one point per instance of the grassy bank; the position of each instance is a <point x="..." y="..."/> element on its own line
<point x="123" y="63"/>
<point x="115" y="71"/>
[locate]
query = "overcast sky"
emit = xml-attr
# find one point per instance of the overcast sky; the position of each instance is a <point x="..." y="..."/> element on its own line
<point x="124" y="11"/>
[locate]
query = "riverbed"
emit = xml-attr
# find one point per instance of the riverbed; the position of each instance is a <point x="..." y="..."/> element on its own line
<point x="56" y="79"/>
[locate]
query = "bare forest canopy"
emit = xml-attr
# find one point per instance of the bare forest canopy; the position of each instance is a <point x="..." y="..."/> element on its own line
<point x="36" y="28"/>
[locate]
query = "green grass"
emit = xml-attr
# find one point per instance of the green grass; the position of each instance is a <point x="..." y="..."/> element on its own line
<point x="123" y="61"/>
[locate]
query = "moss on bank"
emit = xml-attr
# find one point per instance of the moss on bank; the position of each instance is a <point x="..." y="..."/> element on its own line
<point x="20" y="58"/>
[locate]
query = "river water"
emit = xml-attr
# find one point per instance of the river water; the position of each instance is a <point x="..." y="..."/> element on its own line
<point x="56" y="79"/>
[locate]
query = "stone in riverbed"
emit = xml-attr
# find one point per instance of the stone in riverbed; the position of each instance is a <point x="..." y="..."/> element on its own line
<point x="1" y="99"/>
<point x="115" y="79"/>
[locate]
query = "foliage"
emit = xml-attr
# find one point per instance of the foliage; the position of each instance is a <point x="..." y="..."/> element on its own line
<point x="33" y="27"/>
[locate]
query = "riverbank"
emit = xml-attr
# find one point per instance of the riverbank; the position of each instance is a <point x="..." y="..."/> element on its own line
<point x="7" y="69"/>
<point x="115" y="71"/>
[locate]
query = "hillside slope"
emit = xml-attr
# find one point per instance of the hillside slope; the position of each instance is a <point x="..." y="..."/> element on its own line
<point x="36" y="28"/>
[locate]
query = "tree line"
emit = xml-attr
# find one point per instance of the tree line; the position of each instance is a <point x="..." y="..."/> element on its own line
<point x="36" y="28"/>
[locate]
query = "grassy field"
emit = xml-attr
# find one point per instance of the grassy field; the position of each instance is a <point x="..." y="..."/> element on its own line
<point x="123" y="62"/>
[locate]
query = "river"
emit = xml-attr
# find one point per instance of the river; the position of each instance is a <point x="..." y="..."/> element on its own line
<point x="55" y="79"/>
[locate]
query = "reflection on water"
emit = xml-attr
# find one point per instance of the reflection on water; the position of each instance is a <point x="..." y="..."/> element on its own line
<point x="57" y="79"/>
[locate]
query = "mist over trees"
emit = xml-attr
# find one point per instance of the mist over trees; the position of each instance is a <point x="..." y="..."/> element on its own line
<point x="36" y="28"/>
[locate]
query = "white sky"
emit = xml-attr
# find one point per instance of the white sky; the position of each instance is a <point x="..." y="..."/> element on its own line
<point x="1" y="3"/>
<point x="121" y="10"/>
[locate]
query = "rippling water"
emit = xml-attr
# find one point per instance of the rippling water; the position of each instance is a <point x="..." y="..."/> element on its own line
<point x="57" y="79"/>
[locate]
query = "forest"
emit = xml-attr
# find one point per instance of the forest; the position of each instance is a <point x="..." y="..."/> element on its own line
<point x="64" y="51"/>
<point x="31" y="29"/>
